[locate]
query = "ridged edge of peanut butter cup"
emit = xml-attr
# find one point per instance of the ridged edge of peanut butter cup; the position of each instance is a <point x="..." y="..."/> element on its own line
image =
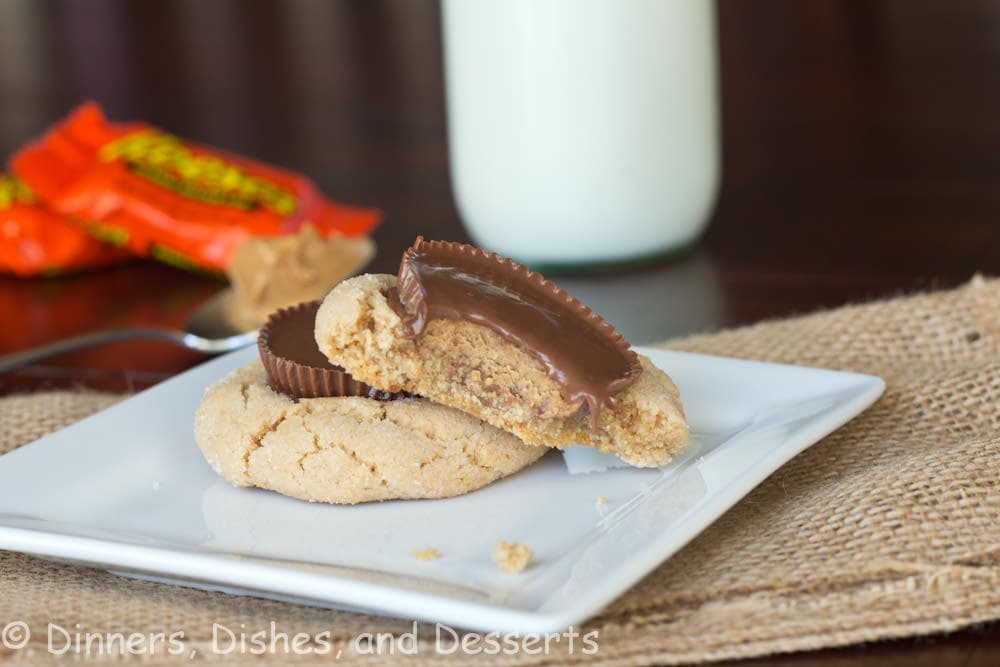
<point x="408" y="290"/>
<point x="303" y="381"/>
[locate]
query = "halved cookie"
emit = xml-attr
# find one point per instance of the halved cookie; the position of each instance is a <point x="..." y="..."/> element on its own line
<point x="477" y="370"/>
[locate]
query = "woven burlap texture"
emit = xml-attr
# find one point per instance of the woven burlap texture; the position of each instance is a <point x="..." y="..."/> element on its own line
<point x="889" y="527"/>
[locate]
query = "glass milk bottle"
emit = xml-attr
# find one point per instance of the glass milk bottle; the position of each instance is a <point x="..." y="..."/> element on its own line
<point x="582" y="132"/>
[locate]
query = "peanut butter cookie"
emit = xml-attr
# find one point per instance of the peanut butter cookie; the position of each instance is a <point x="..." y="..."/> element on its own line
<point x="475" y="369"/>
<point x="348" y="449"/>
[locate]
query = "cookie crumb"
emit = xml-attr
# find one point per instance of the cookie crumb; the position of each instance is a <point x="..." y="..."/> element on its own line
<point x="512" y="557"/>
<point x="429" y="553"/>
<point x="601" y="504"/>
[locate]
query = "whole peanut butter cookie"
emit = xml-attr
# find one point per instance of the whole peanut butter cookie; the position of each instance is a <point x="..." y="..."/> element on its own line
<point x="477" y="369"/>
<point x="348" y="449"/>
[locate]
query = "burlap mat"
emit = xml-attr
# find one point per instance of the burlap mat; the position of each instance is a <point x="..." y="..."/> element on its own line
<point x="889" y="527"/>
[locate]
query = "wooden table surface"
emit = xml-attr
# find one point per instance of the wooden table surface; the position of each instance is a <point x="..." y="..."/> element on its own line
<point x="861" y="146"/>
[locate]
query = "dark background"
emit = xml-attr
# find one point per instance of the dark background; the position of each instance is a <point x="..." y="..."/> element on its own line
<point x="861" y="145"/>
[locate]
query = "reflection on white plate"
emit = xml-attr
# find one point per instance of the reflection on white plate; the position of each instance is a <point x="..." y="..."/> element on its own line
<point x="127" y="489"/>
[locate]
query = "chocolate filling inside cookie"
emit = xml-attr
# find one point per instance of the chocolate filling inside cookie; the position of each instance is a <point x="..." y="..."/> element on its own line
<point x="581" y="351"/>
<point x="296" y="367"/>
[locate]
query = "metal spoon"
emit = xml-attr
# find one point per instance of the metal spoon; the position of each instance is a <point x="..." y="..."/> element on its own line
<point x="206" y="330"/>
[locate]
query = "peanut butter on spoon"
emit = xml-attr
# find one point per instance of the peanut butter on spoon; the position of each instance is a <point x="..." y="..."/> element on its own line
<point x="272" y="272"/>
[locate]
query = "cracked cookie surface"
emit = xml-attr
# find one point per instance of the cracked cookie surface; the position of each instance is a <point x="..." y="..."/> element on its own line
<point x="348" y="449"/>
<point x="474" y="369"/>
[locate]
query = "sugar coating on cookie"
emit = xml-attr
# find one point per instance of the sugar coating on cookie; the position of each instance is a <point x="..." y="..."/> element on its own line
<point x="474" y="369"/>
<point x="512" y="556"/>
<point x="348" y="449"/>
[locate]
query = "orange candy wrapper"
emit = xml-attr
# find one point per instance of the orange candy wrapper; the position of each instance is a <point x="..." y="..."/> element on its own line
<point x="160" y="196"/>
<point x="37" y="242"/>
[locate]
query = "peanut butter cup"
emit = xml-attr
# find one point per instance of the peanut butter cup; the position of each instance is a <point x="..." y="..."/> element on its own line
<point x="585" y="354"/>
<point x="296" y="367"/>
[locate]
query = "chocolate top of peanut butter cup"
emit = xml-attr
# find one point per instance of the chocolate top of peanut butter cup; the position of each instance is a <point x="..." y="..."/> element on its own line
<point x="294" y="364"/>
<point x="440" y="279"/>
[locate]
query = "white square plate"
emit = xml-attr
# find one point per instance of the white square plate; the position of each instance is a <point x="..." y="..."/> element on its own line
<point x="128" y="490"/>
